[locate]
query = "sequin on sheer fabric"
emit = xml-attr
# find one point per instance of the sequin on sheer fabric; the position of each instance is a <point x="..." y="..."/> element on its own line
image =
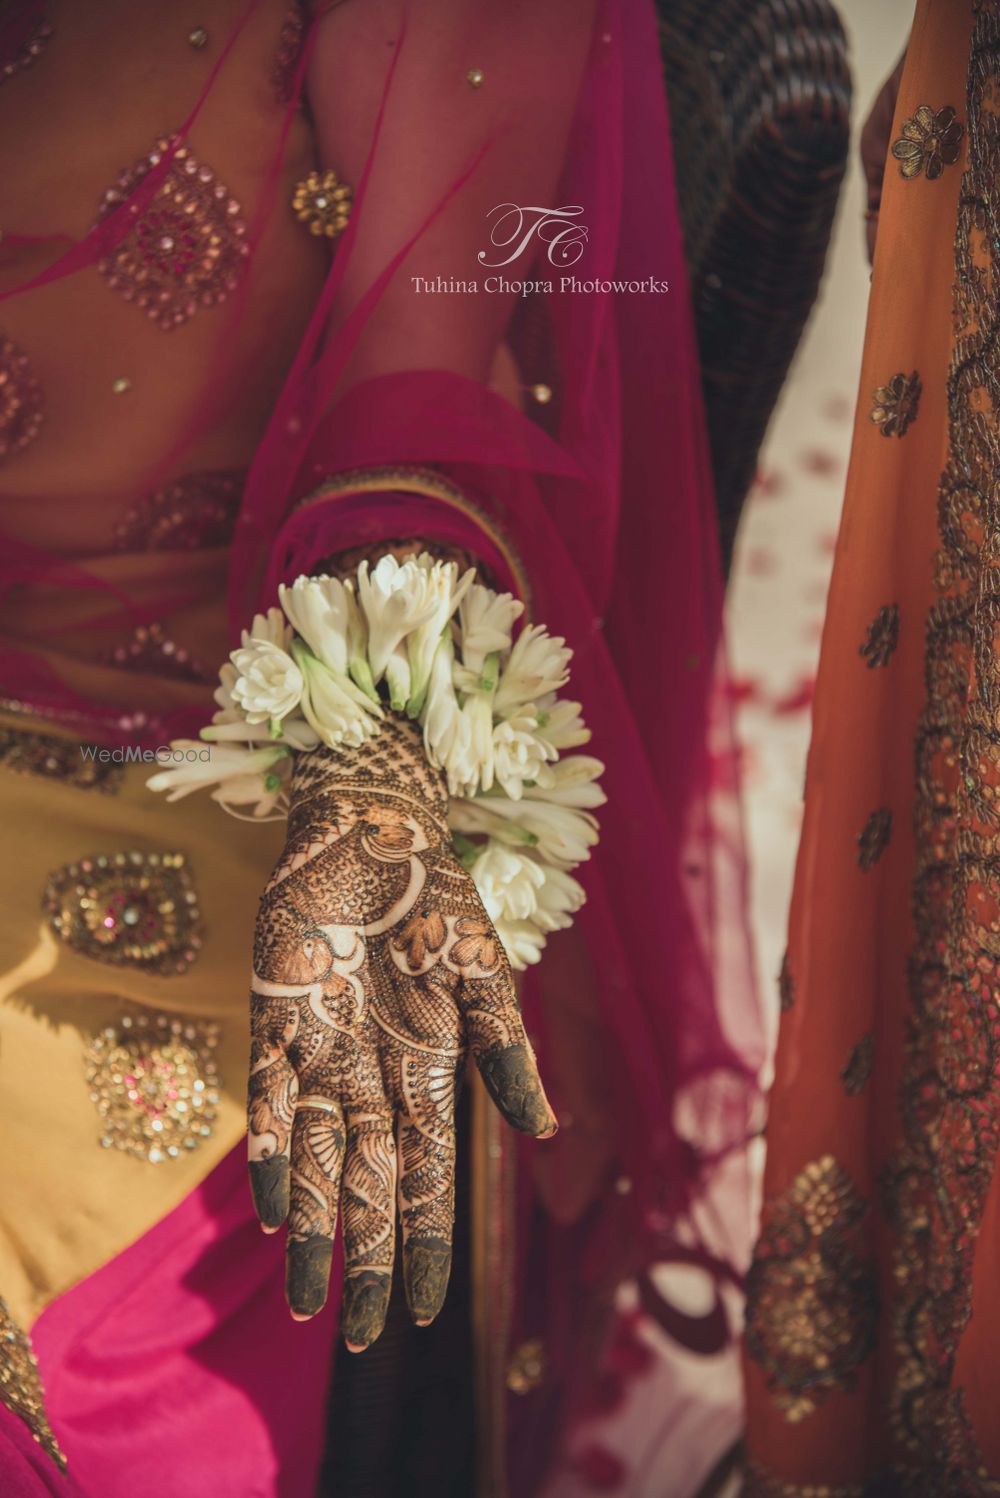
<point x="128" y="909"/>
<point x="26" y="50"/>
<point x="22" y="403"/>
<point x="187" y="249"/>
<point x="191" y="512"/>
<point x="150" y="648"/>
<point x="286" y="58"/>
<point x="154" y="1081"/>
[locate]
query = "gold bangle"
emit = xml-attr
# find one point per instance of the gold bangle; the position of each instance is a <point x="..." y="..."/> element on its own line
<point x="429" y="485"/>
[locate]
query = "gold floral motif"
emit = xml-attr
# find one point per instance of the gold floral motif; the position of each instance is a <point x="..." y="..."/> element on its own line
<point x="154" y="1081"/>
<point x="931" y="140"/>
<point x="812" y="1294"/>
<point x="527" y="1366"/>
<point x="22" y="404"/>
<point x="133" y="909"/>
<point x="786" y="985"/>
<point x="859" y="1066"/>
<point x="759" y="1483"/>
<point x="28" y="753"/>
<point x="874" y="838"/>
<point x="882" y="637"/>
<point x="323" y="202"/>
<point x="193" y="512"/>
<point x="21" y="1387"/>
<point x="187" y="248"/>
<point x="895" y="405"/>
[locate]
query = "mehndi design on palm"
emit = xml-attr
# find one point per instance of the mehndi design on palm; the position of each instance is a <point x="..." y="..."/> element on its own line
<point x="375" y="969"/>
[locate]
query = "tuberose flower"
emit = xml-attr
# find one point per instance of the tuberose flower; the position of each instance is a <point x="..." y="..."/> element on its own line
<point x="519" y="755"/>
<point x="559" y="898"/>
<point x="485" y="624"/>
<point x="559" y="724"/>
<point x="399" y="598"/>
<point x="522" y="941"/>
<point x="268" y="682"/>
<point x="325" y="614"/>
<point x="333" y="706"/>
<point x="221" y="763"/>
<point x="538" y="664"/>
<point x="508" y="882"/>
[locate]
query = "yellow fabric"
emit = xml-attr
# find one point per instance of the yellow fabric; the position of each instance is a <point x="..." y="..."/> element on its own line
<point x="67" y="1205"/>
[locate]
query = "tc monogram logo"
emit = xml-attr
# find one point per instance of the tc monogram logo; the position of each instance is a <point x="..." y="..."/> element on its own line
<point x="514" y="229"/>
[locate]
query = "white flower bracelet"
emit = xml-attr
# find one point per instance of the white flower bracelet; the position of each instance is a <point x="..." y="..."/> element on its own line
<point x="441" y="648"/>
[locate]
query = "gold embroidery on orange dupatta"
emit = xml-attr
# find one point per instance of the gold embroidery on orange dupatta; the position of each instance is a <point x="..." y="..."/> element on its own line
<point x="859" y="1066"/>
<point x="812" y="1294"/>
<point x="882" y="637"/>
<point x="895" y="405"/>
<point x="757" y="1483"/>
<point x="874" y="838"/>
<point x="935" y="1186"/>
<point x="930" y="141"/>
<point x="21" y="1387"/>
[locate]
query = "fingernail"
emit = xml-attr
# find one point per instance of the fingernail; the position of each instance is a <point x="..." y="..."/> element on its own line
<point x="269" y="1186"/>
<point x="512" y="1082"/>
<point x="307" y="1274"/>
<point x="365" y="1302"/>
<point x="426" y="1271"/>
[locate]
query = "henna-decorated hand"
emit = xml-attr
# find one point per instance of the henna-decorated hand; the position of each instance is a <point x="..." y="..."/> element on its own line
<point x="375" y="969"/>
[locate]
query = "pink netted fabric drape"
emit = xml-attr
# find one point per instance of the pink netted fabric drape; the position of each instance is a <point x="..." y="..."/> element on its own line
<point x="566" y="412"/>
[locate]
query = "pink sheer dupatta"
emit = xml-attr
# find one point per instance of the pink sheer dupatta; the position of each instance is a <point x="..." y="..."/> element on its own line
<point x="602" y="492"/>
<point x="592" y="493"/>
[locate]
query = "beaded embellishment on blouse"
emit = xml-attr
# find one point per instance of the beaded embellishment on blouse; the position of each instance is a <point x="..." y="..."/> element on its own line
<point x="129" y="909"/>
<point x="27" y="752"/>
<point x="22" y="404"/>
<point x="193" y="511"/>
<point x="155" y="1083"/>
<point x="187" y="248"/>
<point x="21" y="1387"/>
